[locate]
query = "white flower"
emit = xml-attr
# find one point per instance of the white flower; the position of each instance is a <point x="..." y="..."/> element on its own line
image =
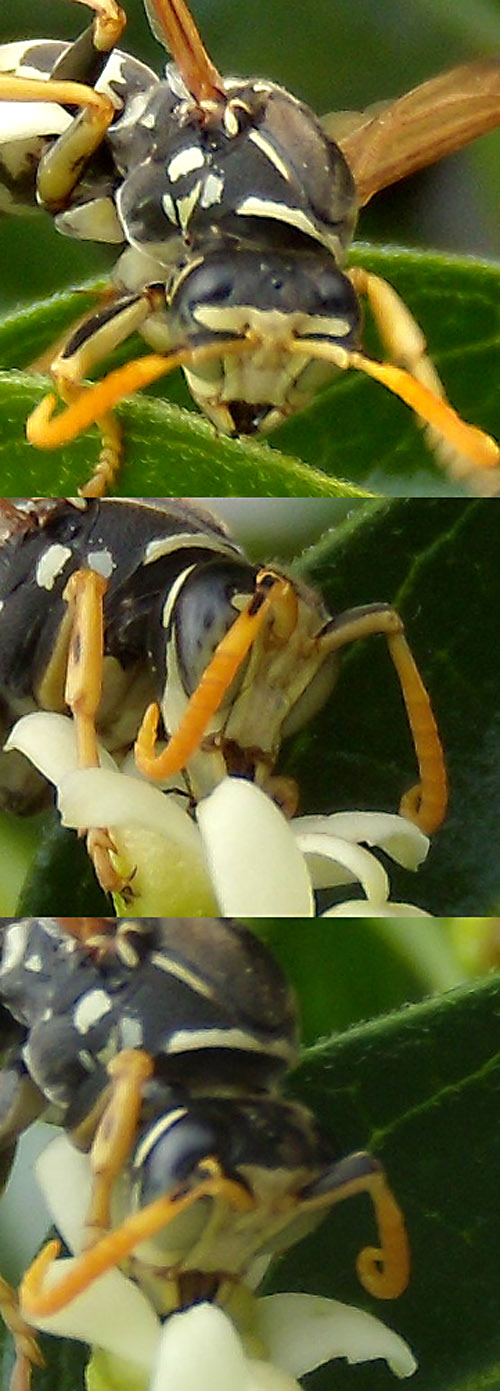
<point x="132" y="1349"/>
<point x="243" y="858"/>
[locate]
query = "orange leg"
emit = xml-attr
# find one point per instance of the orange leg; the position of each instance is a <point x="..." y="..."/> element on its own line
<point x="84" y="593"/>
<point x="115" y="1134"/>
<point x="28" y="1353"/>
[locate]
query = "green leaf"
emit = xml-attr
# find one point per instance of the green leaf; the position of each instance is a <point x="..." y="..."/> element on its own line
<point x="170" y="452"/>
<point x="354" y="431"/>
<point x="438" y="562"/>
<point x="350" y="970"/>
<point x="422" y="1089"/>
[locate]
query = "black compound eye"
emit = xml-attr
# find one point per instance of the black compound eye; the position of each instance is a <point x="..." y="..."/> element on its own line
<point x="213" y="282"/>
<point x="174" y="1155"/>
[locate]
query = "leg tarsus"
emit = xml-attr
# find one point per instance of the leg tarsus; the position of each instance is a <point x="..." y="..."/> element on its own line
<point x="28" y="1353"/>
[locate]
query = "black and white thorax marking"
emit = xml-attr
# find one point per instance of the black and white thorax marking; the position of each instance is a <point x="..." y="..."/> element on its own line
<point x="204" y="999"/>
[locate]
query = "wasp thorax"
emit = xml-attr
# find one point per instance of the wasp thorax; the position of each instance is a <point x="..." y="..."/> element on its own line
<point x="259" y="159"/>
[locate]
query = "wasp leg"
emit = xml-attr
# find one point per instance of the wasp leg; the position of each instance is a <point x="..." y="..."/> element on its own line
<point x="28" y="1353"/>
<point x="273" y="599"/>
<point x="84" y="594"/>
<point x="38" y="1302"/>
<point x="61" y="166"/>
<point x="115" y="1134"/>
<point x="109" y="24"/>
<point x="94" y="338"/>
<point x="282" y="790"/>
<point x="405" y="344"/>
<point x="383" y="1271"/>
<point x="426" y="803"/>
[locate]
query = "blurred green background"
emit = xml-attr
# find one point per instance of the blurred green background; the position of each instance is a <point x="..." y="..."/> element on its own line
<point x="342" y="53"/>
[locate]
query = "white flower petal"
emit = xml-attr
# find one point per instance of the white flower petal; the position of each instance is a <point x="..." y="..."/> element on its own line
<point x="303" y="1331"/>
<point x="361" y="908"/>
<point x="111" y="1314"/>
<point x="354" y="858"/>
<point x="63" y="1174"/>
<point x="264" y="1377"/>
<point x="156" y="840"/>
<point x="106" y="797"/>
<point x="255" y="864"/>
<point x="49" y="741"/>
<point x="400" y="838"/>
<point x="200" y="1351"/>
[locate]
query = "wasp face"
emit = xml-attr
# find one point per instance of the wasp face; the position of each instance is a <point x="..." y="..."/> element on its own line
<point x="267" y="298"/>
<point x="278" y="687"/>
<point x="271" y="1150"/>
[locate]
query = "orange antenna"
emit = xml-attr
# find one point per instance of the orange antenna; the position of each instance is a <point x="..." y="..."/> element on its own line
<point x="426" y="803"/>
<point x="481" y="449"/>
<point x="48" y="431"/>
<point x="383" y="1271"/>
<point x="272" y="592"/>
<point x="177" y="27"/>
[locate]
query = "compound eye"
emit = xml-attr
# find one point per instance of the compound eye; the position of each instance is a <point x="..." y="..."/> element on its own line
<point x="166" y="1159"/>
<point x="173" y="1156"/>
<point x="206" y="607"/>
<point x="207" y="298"/>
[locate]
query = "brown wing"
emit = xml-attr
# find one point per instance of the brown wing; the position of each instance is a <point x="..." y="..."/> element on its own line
<point x="433" y="120"/>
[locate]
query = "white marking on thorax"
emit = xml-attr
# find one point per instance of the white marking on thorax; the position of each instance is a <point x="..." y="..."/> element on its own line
<point x="184" y="162"/>
<point x="14" y="948"/>
<point x="50" y="565"/>
<point x="90" y="1009"/>
<point x="102" y="562"/>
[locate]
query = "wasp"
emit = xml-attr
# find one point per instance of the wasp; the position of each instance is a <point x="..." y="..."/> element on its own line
<point x="161" y="1046"/>
<point x="144" y="620"/>
<point x="236" y="207"/>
